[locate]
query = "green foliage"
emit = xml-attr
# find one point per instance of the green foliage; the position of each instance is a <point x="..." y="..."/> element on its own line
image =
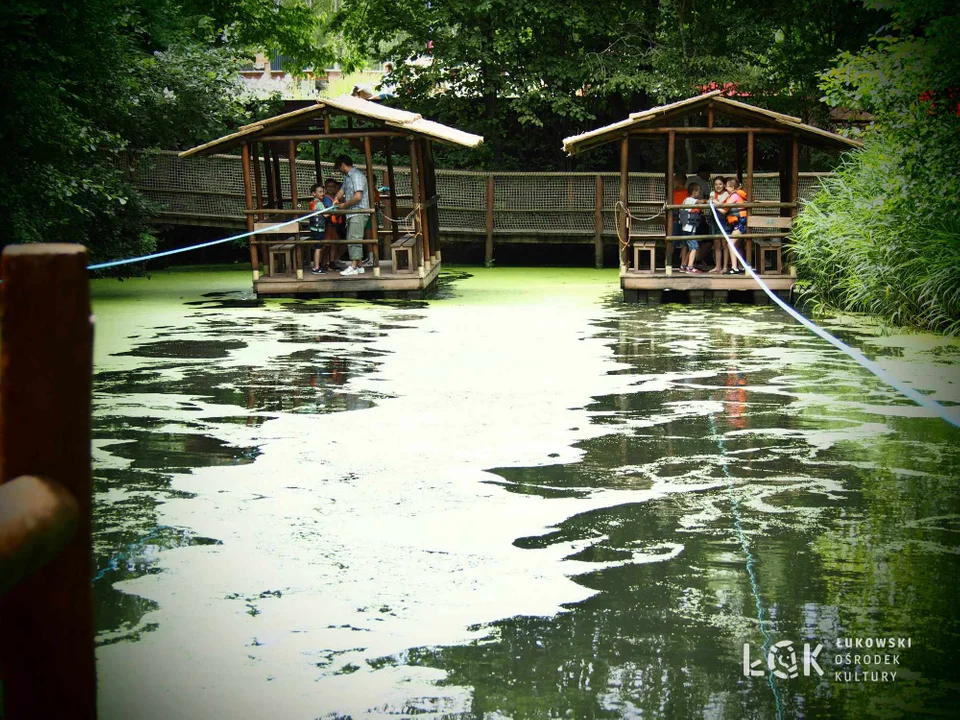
<point x="525" y="73"/>
<point x="861" y="245"/>
<point x="884" y="235"/>
<point x="94" y="79"/>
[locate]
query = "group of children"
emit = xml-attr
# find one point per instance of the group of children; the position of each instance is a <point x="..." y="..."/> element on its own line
<point x="692" y="221"/>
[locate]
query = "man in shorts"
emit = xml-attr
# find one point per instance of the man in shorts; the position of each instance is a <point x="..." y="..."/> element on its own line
<point x="354" y="195"/>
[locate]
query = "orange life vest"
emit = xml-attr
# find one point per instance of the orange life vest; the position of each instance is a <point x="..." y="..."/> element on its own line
<point x="734" y="214"/>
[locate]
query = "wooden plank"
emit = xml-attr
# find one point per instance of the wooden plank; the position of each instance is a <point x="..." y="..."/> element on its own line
<point x="47" y="647"/>
<point x="679" y="281"/>
<point x="769" y="221"/>
<point x="681" y="130"/>
<point x="488" y="247"/>
<point x="311" y="137"/>
<point x="598" y="224"/>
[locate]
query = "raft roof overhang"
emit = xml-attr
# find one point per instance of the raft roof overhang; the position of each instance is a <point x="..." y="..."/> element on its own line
<point x="658" y="117"/>
<point x="407" y="123"/>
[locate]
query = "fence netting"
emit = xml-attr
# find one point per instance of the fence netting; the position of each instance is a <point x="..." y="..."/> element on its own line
<point x="209" y="189"/>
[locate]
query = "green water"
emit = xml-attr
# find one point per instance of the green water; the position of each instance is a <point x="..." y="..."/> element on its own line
<point x="522" y="499"/>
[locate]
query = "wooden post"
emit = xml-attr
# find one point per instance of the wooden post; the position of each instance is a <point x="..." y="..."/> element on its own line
<point x="748" y="243"/>
<point x="47" y="649"/>
<point x="425" y="197"/>
<point x="258" y="185"/>
<point x="297" y="250"/>
<point x="392" y="182"/>
<point x="271" y="195"/>
<point x="710" y="116"/>
<point x="668" y="198"/>
<point x="317" y="169"/>
<point x="488" y="247"/>
<point x="430" y="181"/>
<point x="624" y="238"/>
<point x="374" y="220"/>
<point x="326" y="123"/>
<point x="277" y="183"/>
<point x="598" y="224"/>
<point x="415" y="191"/>
<point x="248" y="196"/>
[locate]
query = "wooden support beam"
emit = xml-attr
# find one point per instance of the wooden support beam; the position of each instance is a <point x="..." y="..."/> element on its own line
<point x="415" y="186"/>
<point x="700" y="130"/>
<point x="374" y="220"/>
<point x="748" y="181"/>
<point x="710" y="116"/>
<point x="598" y="224"/>
<point x="392" y="182"/>
<point x="294" y="200"/>
<point x="317" y="168"/>
<point x="354" y="135"/>
<point x="271" y="195"/>
<point x="248" y="199"/>
<point x="624" y="180"/>
<point x="668" y="198"/>
<point x="47" y="664"/>
<point x="794" y="171"/>
<point x="488" y="246"/>
<point x="277" y="184"/>
<point x="425" y="198"/>
<point x="258" y="184"/>
<point x="430" y="178"/>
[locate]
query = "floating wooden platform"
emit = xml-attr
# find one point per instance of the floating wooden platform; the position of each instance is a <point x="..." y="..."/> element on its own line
<point x="333" y="284"/>
<point x="657" y="287"/>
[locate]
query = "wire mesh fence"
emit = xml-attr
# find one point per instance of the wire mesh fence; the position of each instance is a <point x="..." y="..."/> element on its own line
<point x="210" y="189"/>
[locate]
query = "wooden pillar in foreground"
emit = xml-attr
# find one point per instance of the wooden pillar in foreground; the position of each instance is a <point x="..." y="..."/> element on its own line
<point x="47" y="645"/>
<point x="488" y="245"/>
<point x="248" y="196"/>
<point x="277" y="183"/>
<point x="668" y="198"/>
<point x="268" y="175"/>
<point x="794" y="172"/>
<point x="598" y="224"/>
<point x="295" y="229"/>
<point x="374" y="219"/>
<point x="430" y="181"/>
<point x="392" y="182"/>
<point x="624" y="233"/>
<point x="415" y="190"/>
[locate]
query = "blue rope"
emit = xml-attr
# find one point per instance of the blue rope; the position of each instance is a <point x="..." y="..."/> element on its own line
<point x="115" y="263"/>
<point x="751" y="561"/>
<point x="917" y="397"/>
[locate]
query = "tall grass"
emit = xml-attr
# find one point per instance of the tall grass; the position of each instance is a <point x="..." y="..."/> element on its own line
<point x="871" y="242"/>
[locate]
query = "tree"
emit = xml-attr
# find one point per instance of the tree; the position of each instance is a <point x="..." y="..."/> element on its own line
<point x="97" y="78"/>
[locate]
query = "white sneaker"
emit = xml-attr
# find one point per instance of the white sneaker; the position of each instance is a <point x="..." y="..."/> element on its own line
<point x="350" y="271"/>
<point x="359" y="270"/>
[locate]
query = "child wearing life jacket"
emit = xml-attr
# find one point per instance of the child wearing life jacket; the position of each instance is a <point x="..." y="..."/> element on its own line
<point x="721" y="254"/>
<point x="689" y="219"/>
<point x="736" y="222"/>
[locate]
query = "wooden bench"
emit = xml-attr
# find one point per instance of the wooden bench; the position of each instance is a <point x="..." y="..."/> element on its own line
<point x="767" y="246"/>
<point x="282" y="258"/>
<point x="405" y="254"/>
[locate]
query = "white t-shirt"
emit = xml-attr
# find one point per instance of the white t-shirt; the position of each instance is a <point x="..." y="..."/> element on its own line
<point x="689" y="200"/>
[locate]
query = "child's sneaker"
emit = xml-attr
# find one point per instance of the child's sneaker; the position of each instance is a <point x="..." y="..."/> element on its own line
<point x="350" y="271"/>
<point x="695" y="271"/>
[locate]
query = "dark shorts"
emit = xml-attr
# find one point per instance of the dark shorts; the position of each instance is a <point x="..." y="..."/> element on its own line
<point x="740" y="225"/>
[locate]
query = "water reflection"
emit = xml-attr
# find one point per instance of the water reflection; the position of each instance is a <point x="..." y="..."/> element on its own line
<point x="538" y="514"/>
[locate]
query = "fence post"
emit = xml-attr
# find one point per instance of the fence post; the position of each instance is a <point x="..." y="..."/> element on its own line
<point x="488" y="248"/>
<point x="46" y="650"/>
<point x="598" y="225"/>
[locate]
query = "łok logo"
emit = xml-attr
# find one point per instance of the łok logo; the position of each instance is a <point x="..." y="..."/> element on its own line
<point x="782" y="660"/>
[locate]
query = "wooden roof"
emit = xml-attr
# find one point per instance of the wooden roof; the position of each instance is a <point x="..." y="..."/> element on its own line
<point x="660" y="117"/>
<point x="406" y="123"/>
